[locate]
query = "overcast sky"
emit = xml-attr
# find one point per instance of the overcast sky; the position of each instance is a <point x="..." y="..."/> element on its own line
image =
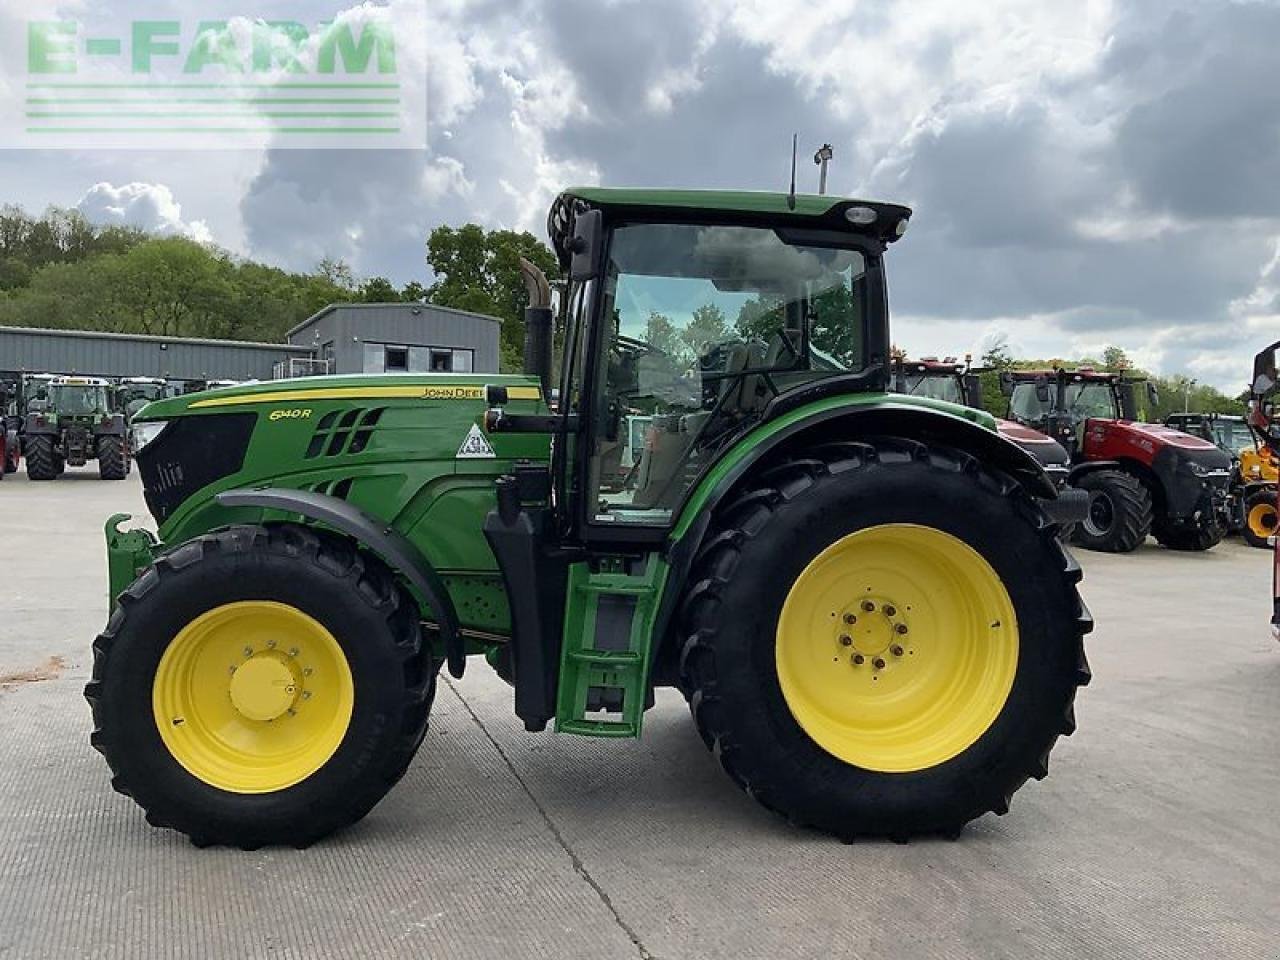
<point x="1084" y="173"/>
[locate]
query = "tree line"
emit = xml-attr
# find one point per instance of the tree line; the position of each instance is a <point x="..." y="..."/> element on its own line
<point x="1175" y="393"/>
<point x="59" y="271"/>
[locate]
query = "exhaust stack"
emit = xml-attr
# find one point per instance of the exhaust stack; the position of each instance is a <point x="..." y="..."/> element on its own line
<point x="537" y="326"/>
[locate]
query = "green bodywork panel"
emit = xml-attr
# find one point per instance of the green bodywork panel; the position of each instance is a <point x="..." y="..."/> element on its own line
<point x="408" y="474"/>
<point x="742" y="201"/>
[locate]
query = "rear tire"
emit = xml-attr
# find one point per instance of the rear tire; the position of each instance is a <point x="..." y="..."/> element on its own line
<point x="288" y="567"/>
<point x="765" y="544"/>
<point x="42" y="462"/>
<point x="1259" y="518"/>
<point x="1120" y="513"/>
<point x="113" y="461"/>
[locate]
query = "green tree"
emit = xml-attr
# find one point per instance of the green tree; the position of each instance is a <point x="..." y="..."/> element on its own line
<point x="479" y="270"/>
<point x="1115" y="359"/>
<point x="379" y="290"/>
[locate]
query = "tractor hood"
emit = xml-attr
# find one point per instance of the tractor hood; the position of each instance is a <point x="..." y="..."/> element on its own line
<point x="369" y="439"/>
<point x="1049" y="452"/>
<point x="1169" y="435"/>
<point x="405" y="386"/>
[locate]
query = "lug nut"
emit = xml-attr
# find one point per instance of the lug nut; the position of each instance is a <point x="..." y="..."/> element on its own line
<point x="890" y="611"/>
<point x="846" y="641"/>
<point x="859" y="659"/>
<point x="293" y="651"/>
<point x="896" y="650"/>
<point x="850" y="619"/>
<point x="901" y="629"/>
<point x="878" y="663"/>
<point x="271" y="644"/>
<point x="248" y="651"/>
<point x="306" y="694"/>
<point x="868" y="606"/>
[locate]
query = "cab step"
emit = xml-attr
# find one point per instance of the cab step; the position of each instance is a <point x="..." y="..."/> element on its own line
<point x="608" y="631"/>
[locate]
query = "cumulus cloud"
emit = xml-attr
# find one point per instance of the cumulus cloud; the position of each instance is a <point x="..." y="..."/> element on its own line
<point x="149" y="206"/>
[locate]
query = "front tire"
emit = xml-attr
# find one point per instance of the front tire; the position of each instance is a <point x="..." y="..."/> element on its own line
<point x="42" y="461"/>
<point x="917" y="713"/>
<point x="1259" y="518"/>
<point x="113" y="460"/>
<point x="260" y="685"/>
<point x="1193" y="537"/>
<point x="1119" y="517"/>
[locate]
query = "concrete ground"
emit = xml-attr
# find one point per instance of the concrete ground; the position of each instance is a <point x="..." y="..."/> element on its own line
<point x="1156" y="835"/>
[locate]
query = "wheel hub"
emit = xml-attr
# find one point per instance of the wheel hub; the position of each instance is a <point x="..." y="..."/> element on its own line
<point x="265" y="686"/>
<point x="873" y="628"/>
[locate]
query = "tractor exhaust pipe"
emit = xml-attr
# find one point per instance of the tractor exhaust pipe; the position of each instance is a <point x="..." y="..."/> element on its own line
<point x="537" y="326"/>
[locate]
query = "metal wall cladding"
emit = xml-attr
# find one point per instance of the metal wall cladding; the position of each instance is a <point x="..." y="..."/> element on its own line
<point x="121" y="355"/>
<point x="349" y="327"/>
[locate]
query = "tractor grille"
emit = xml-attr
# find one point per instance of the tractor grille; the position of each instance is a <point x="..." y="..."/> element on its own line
<point x="192" y="453"/>
<point x="342" y="431"/>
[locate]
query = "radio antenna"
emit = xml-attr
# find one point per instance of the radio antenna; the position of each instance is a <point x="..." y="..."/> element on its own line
<point x="791" y="196"/>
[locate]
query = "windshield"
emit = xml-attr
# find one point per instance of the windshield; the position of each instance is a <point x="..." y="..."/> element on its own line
<point x="938" y="386"/>
<point x="704" y="326"/>
<point x="1232" y="435"/>
<point x="1090" y="399"/>
<point x="77" y="400"/>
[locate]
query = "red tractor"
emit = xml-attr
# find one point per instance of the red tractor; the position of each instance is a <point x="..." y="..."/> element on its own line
<point x="1141" y="477"/>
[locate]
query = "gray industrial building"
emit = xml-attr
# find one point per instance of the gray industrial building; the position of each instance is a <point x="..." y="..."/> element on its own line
<point x="400" y="338"/>
<point x="342" y="338"/>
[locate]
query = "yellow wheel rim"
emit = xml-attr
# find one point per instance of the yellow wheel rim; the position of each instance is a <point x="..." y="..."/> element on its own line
<point x="1262" y="520"/>
<point x="897" y="648"/>
<point x="253" y="697"/>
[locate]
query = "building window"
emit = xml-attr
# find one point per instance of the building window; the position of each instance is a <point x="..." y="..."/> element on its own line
<point x="441" y="361"/>
<point x="397" y="360"/>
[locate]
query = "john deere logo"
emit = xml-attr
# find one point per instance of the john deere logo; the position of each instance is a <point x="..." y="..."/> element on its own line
<point x="475" y="446"/>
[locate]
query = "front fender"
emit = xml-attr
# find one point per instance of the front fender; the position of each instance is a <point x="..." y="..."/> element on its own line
<point x="383" y="540"/>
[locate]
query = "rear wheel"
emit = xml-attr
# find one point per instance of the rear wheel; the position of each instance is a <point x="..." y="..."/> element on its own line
<point x="113" y="461"/>
<point x="42" y="462"/>
<point x="260" y="685"/>
<point x="878" y="645"/>
<point x="1259" y="518"/>
<point x="1119" y="516"/>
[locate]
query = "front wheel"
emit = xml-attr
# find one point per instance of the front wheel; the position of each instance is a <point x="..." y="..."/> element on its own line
<point x="1120" y="513"/>
<point x="883" y="639"/>
<point x="1260" y="518"/>
<point x="260" y="685"/>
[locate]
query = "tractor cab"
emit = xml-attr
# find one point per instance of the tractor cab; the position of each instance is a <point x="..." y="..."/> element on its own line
<point x="945" y="379"/>
<point x="134" y="393"/>
<point x="1060" y="402"/>
<point x="685" y="330"/>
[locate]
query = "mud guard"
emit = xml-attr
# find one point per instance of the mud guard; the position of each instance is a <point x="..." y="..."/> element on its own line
<point x="380" y="538"/>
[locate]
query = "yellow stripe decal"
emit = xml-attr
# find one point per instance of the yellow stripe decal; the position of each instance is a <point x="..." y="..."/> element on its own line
<point x="418" y="392"/>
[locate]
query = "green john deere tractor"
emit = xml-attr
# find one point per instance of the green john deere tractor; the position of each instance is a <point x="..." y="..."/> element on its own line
<point x="872" y="618"/>
<point x="72" y="420"/>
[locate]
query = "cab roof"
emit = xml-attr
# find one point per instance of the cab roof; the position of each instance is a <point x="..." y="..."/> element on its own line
<point x="884" y="221"/>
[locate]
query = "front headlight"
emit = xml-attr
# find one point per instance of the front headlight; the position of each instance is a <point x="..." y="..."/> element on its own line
<point x="147" y="431"/>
